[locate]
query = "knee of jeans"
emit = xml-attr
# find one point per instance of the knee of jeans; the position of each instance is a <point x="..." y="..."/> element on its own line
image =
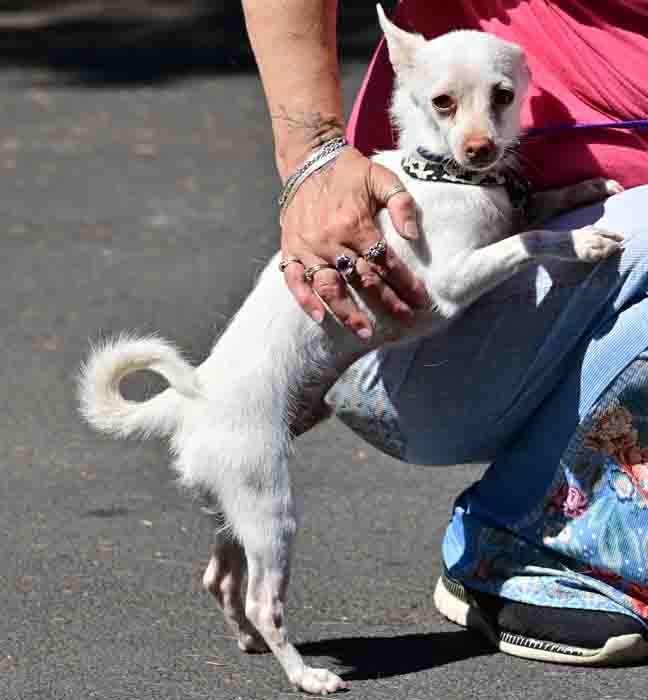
<point x="372" y="416"/>
<point x="627" y="213"/>
<point x="362" y="401"/>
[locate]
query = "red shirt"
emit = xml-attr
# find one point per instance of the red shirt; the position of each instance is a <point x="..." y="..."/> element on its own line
<point x="589" y="63"/>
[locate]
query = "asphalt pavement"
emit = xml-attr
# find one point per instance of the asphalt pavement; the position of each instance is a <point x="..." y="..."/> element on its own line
<point x="151" y="207"/>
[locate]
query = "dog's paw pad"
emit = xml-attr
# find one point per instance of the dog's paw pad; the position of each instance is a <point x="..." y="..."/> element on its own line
<point x="319" y="681"/>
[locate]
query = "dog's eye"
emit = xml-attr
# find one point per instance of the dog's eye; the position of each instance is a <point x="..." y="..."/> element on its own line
<point x="443" y="103"/>
<point x="502" y="97"/>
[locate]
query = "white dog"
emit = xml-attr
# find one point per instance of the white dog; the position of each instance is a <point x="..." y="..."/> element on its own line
<point x="232" y="420"/>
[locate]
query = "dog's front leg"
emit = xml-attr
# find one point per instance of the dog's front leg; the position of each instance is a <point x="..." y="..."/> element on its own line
<point x="546" y="205"/>
<point x="589" y="244"/>
<point x="470" y="274"/>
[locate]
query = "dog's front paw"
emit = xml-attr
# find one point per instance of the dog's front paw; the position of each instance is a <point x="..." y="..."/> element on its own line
<point x="318" y="681"/>
<point x="593" y="244"/>
<point x="600" y="188"/>
<point x="593" y="190"/>
<point x="612" y="187"/>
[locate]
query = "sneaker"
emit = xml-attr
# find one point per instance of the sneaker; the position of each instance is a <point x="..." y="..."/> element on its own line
<point x="558" y="635"/>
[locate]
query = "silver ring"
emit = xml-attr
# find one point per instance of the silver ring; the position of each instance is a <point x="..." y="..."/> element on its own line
<point x="309" y="272"/>
<point x="287" y="261"/>
<point x="377" y="250"/>
<point x="346" y="266"/>
<point x="394" y="191"/>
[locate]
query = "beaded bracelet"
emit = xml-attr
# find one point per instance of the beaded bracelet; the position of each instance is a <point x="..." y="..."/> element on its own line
<point x="323" y="155"/>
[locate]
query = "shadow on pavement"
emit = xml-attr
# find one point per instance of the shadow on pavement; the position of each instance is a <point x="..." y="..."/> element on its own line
<point x="382" y="657"/>
<point x="103" y="47"/>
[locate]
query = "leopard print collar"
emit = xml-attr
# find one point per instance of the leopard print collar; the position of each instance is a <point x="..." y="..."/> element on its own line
<point x="423" y="165"/>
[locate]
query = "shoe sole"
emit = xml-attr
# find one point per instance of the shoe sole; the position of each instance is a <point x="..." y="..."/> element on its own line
<point x="622" y="650"/>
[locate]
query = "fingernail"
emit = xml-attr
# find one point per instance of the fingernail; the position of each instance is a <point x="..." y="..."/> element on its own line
<point x="317" y="316"/>
<point x="364" y="333"/>
<point x="410" y="230"/>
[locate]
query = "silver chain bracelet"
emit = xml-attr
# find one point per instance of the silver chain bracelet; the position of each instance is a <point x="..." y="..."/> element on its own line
<point x="323" y="155"/>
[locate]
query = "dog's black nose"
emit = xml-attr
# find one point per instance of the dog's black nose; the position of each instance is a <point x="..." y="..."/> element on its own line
<point x="480" y="150"/>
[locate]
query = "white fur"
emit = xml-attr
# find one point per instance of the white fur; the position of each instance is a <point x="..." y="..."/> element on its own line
<point x="232" y="419"/>
<point x="102" y="402"/>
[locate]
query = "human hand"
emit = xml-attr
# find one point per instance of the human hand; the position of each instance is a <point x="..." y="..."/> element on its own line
<point x="332" y="214"/>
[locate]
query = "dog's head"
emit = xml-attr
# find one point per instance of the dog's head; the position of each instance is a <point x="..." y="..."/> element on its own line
<point x="458" y="95"/>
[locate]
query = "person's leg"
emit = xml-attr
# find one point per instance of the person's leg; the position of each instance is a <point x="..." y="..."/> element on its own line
<point x="532" y="360"/>
<point x="462" y="395"/>
<point x="559" y="521"/>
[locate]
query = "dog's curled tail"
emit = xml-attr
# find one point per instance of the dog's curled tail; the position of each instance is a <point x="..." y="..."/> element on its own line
<point x="102" y="403"/>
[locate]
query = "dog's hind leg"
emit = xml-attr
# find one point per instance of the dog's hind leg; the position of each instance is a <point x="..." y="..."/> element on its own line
<point x="223" y="578"/>
<point x="260" y="509"/>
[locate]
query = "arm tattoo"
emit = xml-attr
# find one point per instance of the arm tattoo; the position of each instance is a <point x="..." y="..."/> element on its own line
<point x="315" y="127"/>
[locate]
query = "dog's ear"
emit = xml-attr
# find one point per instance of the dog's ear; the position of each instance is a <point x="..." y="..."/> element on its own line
<point x="401" y="44"/>
<point x="525" y="71"/>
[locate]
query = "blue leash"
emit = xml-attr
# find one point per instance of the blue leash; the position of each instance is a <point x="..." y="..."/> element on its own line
<point x="638" y="124"/>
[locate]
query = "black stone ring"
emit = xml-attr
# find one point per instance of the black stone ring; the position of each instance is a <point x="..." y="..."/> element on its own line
<point x="377" y="250"/>
<point x="346" y="266"/>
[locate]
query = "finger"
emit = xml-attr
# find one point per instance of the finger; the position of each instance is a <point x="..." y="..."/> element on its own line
<point x="400" y="278"/>
<point x="360" y="236"/>
<point x="301" y="290"/>
<point x="401" y="206"/>
<point x="331" y="289"/>
<point x="379" y="293"/>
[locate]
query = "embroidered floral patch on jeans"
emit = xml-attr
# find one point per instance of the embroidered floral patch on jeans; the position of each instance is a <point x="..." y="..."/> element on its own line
<point x="585" y="544"/>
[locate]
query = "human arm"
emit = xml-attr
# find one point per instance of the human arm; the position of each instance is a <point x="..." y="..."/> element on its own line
<point x="333" y="211"/>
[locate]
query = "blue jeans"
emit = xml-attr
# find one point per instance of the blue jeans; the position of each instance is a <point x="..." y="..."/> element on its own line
<point x="523" y="381"/>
